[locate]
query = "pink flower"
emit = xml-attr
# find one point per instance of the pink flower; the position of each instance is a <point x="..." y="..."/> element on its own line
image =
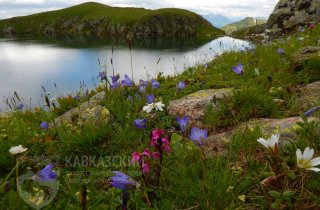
<point x="156" y="155"/>
<point x="156" y="134"/>
<point x="135" y="157"/>
<point x="145" y="168"/>
<point x="146" y="152"/>
<point x="166" y="144"/>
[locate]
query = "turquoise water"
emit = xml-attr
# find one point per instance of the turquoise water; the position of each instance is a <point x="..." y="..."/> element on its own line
<point x="27" y="65"/>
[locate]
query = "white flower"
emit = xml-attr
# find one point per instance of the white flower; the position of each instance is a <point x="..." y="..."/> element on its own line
<point x="17" y="149"/>
<point x="271" y="143"/>
<point x="148" y="108"/>
<point x="159" y="106"/>
<point x="305" y="160"/>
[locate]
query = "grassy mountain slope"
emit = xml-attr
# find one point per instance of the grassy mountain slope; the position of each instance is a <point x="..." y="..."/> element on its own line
<point x="245" y="23"/>
<point x="95" y="18"/>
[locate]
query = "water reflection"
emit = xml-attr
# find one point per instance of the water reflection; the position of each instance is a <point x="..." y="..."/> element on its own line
<point x="26" y="65"/>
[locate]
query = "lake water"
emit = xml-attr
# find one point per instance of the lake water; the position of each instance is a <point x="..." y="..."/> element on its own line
<point x="27" y="65"/>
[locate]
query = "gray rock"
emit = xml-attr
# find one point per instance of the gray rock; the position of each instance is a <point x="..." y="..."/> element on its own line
<point x="88" y="113"/>
<point x="303" y="55"/>
<point x="289" y="14"/>
<point x="309" y="95"/>
<point x="9" y="30"/>
<point x="195" y="104"/>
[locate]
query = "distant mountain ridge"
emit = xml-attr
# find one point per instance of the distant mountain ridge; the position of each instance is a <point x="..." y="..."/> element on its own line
<point x="98" y="19"/>
<point x="217" y="20"/>
<point x="245" y="23"/>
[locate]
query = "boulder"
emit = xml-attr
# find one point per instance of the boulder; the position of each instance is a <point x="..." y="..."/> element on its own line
<point x="195" y="104"/>
<point x="88" y="113"/>
<point x="303" y="55"/>
<point x="289" y="14"/>
<point x="309" y="95"/>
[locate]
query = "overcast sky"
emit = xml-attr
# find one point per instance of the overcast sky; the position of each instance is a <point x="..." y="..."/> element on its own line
<point x="234" y="9"/>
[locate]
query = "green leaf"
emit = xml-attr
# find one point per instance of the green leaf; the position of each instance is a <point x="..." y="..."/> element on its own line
<point x="274" y="194"/>
<point x="288" y="193"/>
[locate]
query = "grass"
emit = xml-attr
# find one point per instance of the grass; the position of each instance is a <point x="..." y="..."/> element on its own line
<point x="190" y="178"/>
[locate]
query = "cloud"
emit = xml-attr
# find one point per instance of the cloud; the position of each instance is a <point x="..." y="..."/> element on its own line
<point x="229" y="8"/>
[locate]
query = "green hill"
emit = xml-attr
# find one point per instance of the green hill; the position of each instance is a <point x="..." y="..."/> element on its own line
<point x="245" y="23"/>
<point x="98" y="19"/>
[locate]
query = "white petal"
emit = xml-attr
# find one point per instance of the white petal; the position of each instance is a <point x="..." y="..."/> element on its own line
<point x="299" y="155"/>
<point x="315" y="161"/>
<point x="275" y="138"/>
<point x="313" y="169"/>
<point x="263" y="142"/>
<point x="308" y="153"/>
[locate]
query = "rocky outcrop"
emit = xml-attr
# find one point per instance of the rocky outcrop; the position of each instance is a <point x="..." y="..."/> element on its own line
<point x="309" y="95"/>
<point x="89" y="113"/>
<point x="195" y="104"/>
<point x="304" y="55"/>
<point x="9" y="31"/>
<point x="289" y="14"/>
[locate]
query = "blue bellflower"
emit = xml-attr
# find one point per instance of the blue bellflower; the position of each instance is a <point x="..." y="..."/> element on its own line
<point x="198" y="136"/>
<point x="127" y="82"/>
<point x="122" y="181"/>
<point x="155" y="84"/>
<point x="311" y="111"/>
<point x="238" y="69"/>
<point x="102" y="75"/>
<point x="46" y="174"/>
<point x="150" y="98"/>
<point x="181" y="85"/>
<point x="280" y="51"/>
<point x="140" y="123"/>
<point x="44" y="125"/>
<point x="183" y="122"/>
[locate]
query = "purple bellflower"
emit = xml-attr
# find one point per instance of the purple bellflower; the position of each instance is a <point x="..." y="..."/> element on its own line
<point x="181" y="85"/>
<point x="183" y="122"/>
<point x="238" y="69"/>
<point x="122" y="181"/>
<point x="127" y="81"/>
<point x="150" y="98"/>
<point x="311" y="111"/>
<point x="46" y="174"/>
<point x="44" y="125"/>
<point x="102" y="75"/>
<point x="140" y="123"/>
<point x="155" y="84"/>
<point x="198" y="136"/>
<point x="280" y="51"/>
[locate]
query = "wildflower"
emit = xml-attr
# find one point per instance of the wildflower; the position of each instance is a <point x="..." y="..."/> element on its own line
<point x="198" y="136"/>
<point x="145" y="168"/>
<point x="142" y="88"/>
<point x="135" y="157"/>
<point x="242" y="198"/>
<point x="122" y="181"/>
<point x="140" y="123"/>
<point x="301" y="29"/>
<point x="114" y="85"/>
<point x="127" y="82"/>
<point x="150" y="98"/>
<point x="159" y="106"/>
<point x="155" y="84"/>
<point x="238" y="69"/>
<point x="270" y="79"/>
<point x="300" y="38"/>
<point x="311" y="111"/>
<point x="130" y="98"/>
<point x="305" y="160"/>
<point x="271" y="143"/>
<point x="142" y="82"/>
<point x="183" y="122"/>
<point x="17" y="149"/>
<point x="115" y="79"/>
<point x="44" y="125"/>
<point x="46" y="174"/>
<point x="20" y="106"/>
<point x="166" y="144"/>
<point x="181" y="85"/>
<point x="102" y="75"/>
<point x="206" y="65"/>
<point x="280" y="51"/>
<point x="77" y="98"/>
<point x="146" y="152"/>
<point x="311" y="27"/>
<point x="156" y="134"/>
<point x="156" y="155"/>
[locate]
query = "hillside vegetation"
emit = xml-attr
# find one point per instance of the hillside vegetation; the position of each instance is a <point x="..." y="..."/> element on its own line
<point x="98" y="19"/>
<point x="245" y="23"/>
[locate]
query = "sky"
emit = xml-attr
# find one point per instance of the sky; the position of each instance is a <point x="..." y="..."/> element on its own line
<point x="233" y="9"/>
